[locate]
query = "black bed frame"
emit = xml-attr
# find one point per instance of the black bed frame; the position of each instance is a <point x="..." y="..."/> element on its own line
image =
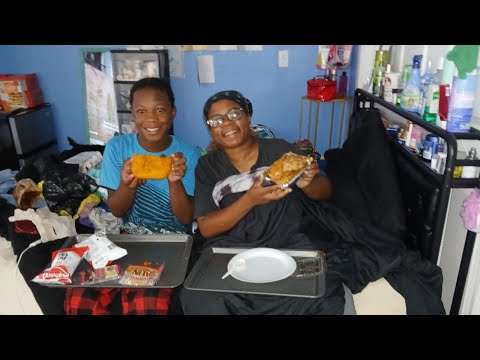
<point x="428" y="231"/>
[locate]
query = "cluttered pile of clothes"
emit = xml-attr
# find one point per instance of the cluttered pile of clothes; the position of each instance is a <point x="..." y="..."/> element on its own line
<point x="48" y="199"/>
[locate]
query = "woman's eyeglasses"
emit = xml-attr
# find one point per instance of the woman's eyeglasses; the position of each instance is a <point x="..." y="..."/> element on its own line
<point x="233" y="114"/>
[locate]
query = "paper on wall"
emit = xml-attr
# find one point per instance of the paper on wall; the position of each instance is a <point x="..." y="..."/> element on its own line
<point x="145" y="47"/>
<point x="176" y="60"/>
<point x="227" y="47"/>
<point x="194" y="47"/>
<point x="206" y="72"/>
<point x="250" y="47"/>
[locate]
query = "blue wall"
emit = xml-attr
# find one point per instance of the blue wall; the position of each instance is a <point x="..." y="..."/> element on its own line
<point x="59" y="70"/>
<point x="275" y="92"/>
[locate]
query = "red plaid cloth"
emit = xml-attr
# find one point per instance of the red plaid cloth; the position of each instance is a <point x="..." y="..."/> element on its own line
<point x="96" y="301"/>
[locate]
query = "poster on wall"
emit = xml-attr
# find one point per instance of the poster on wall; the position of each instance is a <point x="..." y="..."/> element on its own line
<point x="101" y="106"/>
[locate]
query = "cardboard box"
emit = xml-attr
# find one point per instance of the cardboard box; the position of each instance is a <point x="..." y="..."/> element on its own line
<point x="23" y="82"/>
<point x="17" y="100"/>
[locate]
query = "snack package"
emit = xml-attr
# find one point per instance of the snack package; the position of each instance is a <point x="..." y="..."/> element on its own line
<point x="151" y="167"/>
<point x="97" y="276"/>
<point x="101" y="251"/>
<point x="64" y="264"/>
<point x="142" y="275"/>
<point x="26" y="193"/>
<point x="288" y="168"/>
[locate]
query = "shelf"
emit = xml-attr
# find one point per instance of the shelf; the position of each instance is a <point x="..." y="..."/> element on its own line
<point x="446" y="180"/>
<point x="333" y="67"/>
<point x="422" y="164"/>
<point x="344" y="111"/>
<point x="473" y="134"/>
<point x="465" y="183"/>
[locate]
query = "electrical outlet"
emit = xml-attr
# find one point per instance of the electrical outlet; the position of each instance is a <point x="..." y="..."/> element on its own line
<point x="283" y="58"/>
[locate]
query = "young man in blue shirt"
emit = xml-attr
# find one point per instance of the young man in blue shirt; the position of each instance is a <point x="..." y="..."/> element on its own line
<point x="146" y="206"/>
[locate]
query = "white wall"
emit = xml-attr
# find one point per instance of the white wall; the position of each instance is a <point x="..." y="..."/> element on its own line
<point x="451" y="248"/>
<point x="366" y="56"/>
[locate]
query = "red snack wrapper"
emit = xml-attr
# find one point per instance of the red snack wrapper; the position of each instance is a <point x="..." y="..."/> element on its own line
<point x="97" y="276"/>
<point x="64" y="264"/>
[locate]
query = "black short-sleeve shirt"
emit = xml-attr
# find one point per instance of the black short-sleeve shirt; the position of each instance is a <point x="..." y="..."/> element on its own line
<point x="260" y="225"/>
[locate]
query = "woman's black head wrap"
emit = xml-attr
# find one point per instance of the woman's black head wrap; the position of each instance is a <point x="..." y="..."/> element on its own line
<point x="232" y="95"/>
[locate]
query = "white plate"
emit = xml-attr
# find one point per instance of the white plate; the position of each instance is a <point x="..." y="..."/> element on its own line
<point x="262" y="265"/>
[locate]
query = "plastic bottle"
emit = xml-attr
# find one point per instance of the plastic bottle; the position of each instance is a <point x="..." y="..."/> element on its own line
<point x="416" y="138"/>
<point x="385" y="75"/>
<point x="439" y="158"/>
<point x="342" y="85"/>
<point x="427" y="79"/>
<point x="322" y="58"/>
<point x="411" y="94"/>
<point x="437" y="78"/>
<point x="460" y="107"/>
<point x="347" y="50"/>
<point x="333" y="75"/>
<point x="378" y="70"/>
<point x="378" y="59"/>
<point x="430" y="95"/>
<point x="470" y="172"/>
<point x="403" y="82"/>
<point x="377" y="82"/>
<point x="448" y="71"/>
<point x="443" y="100"/>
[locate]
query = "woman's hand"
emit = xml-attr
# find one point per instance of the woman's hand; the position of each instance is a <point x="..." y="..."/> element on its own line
<point x="128" y="179"/>
<point x="179" y="167"/>
<point x="259" y="195"/>
<point x="307" y="177"/>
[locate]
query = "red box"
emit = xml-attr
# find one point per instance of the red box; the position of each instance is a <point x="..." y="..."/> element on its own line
<point x="19" y="91"/>
<point x="27" y="82"/>
<point x="17" y="100"/>
<point x="321" y="89"/>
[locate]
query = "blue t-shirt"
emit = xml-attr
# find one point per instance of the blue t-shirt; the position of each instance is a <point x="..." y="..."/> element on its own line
<point x="151" y="211"/>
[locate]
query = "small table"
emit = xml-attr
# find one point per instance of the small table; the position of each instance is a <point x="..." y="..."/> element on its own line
<point x="343" y="103"/>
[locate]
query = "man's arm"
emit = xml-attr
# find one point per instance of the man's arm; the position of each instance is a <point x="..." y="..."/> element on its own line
<point x="181" y="202"/>
<point x="120" y="201"/>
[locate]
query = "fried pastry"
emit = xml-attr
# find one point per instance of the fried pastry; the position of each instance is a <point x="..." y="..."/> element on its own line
<point x="151" y="167"/>
<point x="286" y="168"/>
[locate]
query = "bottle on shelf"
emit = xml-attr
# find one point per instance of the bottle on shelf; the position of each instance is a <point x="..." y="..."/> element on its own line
<point x="333" y="75"/>
<point x="438" y="75"/>
<point x="439" y="158"/>
<point x="322" y="57"/>
<point x="411" y="94"/>
<point x="443" y="100"/>
<point x="342" y="85"/>
<point x="460" y="107"/>
<point x="425" y="81"/>
<point x="403" y="82"/>
<point x="430" y="95"/>
<point x="390" y="85"/>
<point x="377" y="82"/>
<point x="471" y="172"/>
